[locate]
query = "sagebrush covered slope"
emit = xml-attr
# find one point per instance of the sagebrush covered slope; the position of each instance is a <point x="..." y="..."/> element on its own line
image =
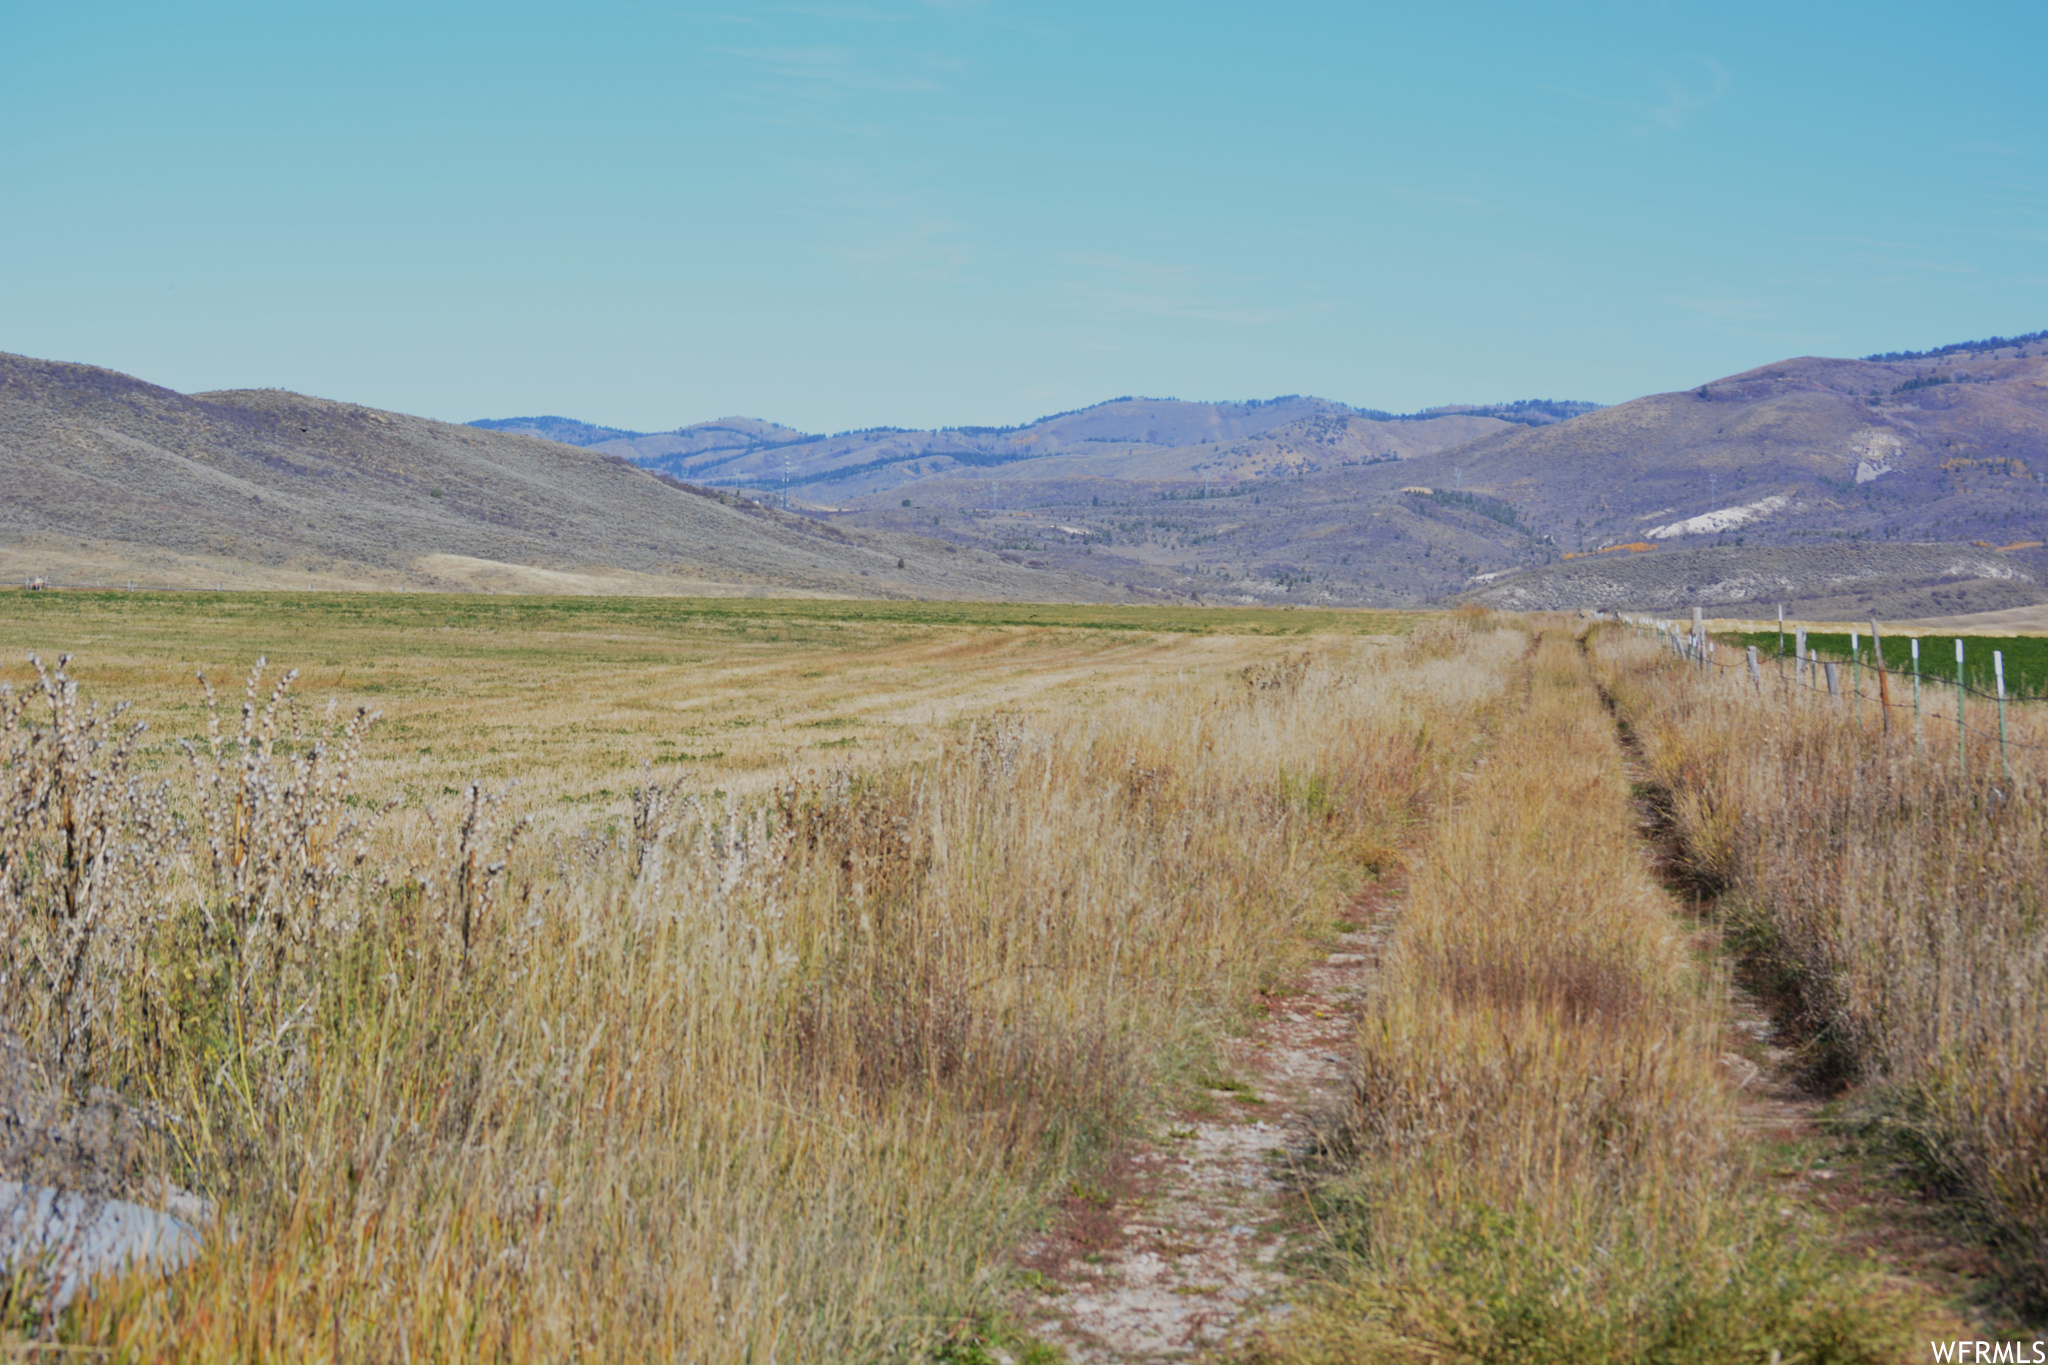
<point x="1851" y="581"/>
<point x="1941" y="448"/>
<point x="108" y="476"/>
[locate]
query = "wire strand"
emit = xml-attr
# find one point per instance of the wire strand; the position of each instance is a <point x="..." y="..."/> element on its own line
<point x="1689" y="659"/>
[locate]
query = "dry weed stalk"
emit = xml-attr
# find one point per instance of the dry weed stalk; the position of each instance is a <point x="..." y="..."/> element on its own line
<point x="280" y="844"/>
<point x="86" y="850"/>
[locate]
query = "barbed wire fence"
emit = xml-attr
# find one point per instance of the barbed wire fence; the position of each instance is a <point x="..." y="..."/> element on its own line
<point x="1814" y="678"/>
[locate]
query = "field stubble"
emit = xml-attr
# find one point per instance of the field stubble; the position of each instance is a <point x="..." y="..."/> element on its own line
<point x="576" y="699"/>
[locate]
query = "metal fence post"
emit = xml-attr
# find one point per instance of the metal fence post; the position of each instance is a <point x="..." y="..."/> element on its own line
<point x="1856" y="673"/>
<point x="1998" y="671"/>
<point x="1962" y="746"/>
<point x="1916" y="694"/>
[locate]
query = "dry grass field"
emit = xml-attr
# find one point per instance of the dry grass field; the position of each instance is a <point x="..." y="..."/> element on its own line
<point x="574" y="699"/>
<point x="1543" y="1158"/>
<point x="716" y="1072"/>
<point x="823" y="951"/>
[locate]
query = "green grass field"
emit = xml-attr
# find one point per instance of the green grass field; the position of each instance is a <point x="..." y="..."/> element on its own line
<point x="2026" y="656"/>
<point x="431" y="611"/>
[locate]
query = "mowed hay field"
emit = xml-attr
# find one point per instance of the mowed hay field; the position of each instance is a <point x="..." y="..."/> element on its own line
<point x="575" y="699"/>
<point x="716" y="1072"/>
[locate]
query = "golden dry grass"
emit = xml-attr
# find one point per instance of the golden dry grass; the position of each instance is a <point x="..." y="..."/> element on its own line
<point x="574" y="699"/>
<point x="1887" y="889"/>
<point x="1542" y="1160"/>
<point x="783" y="1058"/>
<point x="720" y="1077"/>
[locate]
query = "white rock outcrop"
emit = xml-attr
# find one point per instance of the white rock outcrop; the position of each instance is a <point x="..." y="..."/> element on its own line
<point x="1727" y="519"/>
<point x="65" y="1238"/>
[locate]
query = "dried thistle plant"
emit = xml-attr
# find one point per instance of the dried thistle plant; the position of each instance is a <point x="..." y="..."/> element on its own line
<point x="85" y="851"/>
<point x="278" y="843"/>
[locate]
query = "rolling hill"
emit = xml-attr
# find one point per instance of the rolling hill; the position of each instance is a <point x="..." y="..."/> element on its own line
<point x="109" y="478"/>
<point x="1943" y="448"/>
<point x="1953" y="447"/>
<point x="1908" y="483"/>
<point x="1843" y="581"/>
<point x="1811" y="458"/>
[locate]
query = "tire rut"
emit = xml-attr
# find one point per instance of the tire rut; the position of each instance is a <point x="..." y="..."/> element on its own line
<point x="1179" y="1252"/>
<point x="1867" y="1207"/>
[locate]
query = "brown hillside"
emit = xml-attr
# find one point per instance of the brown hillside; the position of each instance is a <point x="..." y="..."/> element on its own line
<point x="1939" y="449"/>
<point x="109" y="478"/>
<point x="1839" y="581"/>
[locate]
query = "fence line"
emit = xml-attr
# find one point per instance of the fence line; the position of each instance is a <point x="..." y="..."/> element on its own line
<point x="1696" y="648"/>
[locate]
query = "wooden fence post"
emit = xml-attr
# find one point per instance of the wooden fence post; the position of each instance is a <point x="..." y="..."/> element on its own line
<point x="1756" y="674"/>
<point x="1884" y="677"/>
<point x="1834" y="673"/>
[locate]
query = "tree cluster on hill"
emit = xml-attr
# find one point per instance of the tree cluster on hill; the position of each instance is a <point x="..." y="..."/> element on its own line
<point x="1963" y="347"/>
<point x="1529" y="412"/>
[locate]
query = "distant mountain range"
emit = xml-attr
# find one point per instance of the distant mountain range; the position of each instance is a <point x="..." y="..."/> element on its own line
<point x="1908" y="483"/>
<point x="1310" y="500"/>
<point x="1143" y="438"/>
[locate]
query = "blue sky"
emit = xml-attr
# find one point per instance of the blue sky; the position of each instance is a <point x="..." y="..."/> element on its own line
<point x="915" y="213"/>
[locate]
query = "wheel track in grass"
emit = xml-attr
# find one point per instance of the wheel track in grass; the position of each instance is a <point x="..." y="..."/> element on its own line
<point x="1178" y="1250"/>
<point x="1175" y="1249"/>
<point x="1867" y="1206"/>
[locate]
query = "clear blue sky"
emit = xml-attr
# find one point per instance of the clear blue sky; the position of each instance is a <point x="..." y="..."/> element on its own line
<point x="915" y="213"/>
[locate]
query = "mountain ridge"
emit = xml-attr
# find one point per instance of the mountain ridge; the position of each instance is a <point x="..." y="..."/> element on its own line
<point x="750" y="453"/>
<point x="1287" y="499"/>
